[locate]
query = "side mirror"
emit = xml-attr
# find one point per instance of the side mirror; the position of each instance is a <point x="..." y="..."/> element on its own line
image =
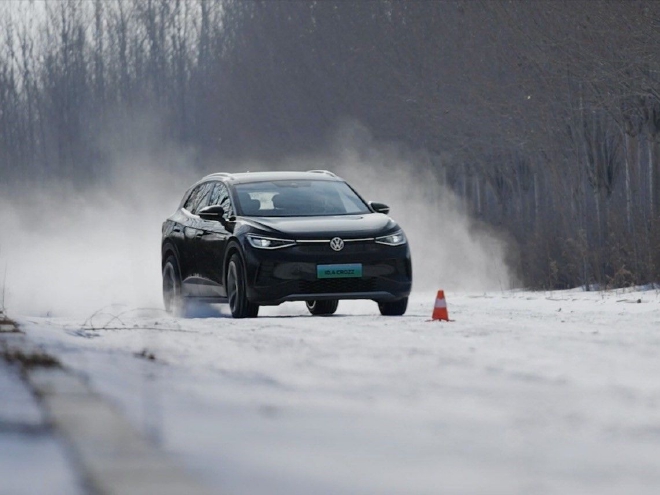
<point x="215" y="212"/>
<point x="379" y="207"/>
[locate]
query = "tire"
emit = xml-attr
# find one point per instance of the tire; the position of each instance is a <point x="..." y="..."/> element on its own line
<point x="174" y="302"/>
<point x="322" y="307"/>
<point x="393" y="308"/>
<point x="238" y="302"/>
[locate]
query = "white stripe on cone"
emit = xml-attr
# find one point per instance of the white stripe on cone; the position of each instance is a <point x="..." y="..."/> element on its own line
<point x="440" y="303"/>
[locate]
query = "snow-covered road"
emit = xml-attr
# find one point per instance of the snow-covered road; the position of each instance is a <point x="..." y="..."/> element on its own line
<point x="528" y="393"/>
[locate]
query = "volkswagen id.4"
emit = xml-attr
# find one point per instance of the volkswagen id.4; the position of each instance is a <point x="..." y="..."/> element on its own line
<point x="263" y="238"/>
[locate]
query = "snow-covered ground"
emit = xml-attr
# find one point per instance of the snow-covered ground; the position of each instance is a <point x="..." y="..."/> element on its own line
<point x="529" y="393"/>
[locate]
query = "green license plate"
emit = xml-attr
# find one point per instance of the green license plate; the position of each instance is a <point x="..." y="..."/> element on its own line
<point x="351" y="270"/>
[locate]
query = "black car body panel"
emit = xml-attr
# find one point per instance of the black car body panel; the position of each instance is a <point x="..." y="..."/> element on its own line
<point x="366" y="267"/>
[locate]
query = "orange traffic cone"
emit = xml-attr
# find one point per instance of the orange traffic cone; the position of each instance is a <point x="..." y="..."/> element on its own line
<point x="440" y="308"/>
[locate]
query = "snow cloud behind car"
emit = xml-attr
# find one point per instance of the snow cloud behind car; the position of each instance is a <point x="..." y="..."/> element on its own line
<point x="68" y="250"/>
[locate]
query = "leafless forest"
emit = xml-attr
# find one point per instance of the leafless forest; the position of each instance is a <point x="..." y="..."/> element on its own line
<point x="544" y="117"/>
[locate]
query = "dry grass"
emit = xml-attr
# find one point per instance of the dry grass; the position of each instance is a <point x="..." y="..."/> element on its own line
<point x="29" y="360"/>
<point x="146" y="355"/>
<point x="7" y="323"/>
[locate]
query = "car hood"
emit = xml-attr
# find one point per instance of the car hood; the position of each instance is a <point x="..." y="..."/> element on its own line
<point x="348" y="226"/>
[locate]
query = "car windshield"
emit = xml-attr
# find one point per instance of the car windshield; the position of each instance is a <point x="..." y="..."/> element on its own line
<point x="298" y="198"/>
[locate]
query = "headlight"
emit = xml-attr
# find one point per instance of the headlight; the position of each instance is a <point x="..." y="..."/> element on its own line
<point x="395" y="239"/>
<point x="261" y="242"/>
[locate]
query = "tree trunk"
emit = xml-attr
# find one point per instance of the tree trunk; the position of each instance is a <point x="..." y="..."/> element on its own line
<point x="599" y="218"/>
<point x="649" y="177"/>
<point x="630" y="159"/>
<point x="654" y="179"/>
<point x="477" y="187"/>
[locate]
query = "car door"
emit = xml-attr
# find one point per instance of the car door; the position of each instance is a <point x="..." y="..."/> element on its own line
<point x="189" y="250"/>
<point x="212" y="244"/>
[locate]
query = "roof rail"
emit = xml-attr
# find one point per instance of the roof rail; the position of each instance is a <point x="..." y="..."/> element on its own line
<point x="326" y="172"/>
<point x="220" y="174"/>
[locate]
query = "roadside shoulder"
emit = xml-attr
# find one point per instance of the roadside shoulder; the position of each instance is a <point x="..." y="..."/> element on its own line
<point x="111" y="456"/>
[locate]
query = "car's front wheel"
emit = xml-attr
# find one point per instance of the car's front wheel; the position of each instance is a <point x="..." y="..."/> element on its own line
<point x="322" y="307"/>
<point x="238" y="302"/>
<point x="393" y="308"/>
<point x="172" y="298"/>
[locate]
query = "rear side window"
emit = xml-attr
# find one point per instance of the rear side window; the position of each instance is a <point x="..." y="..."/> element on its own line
<point x="198" y="198"/>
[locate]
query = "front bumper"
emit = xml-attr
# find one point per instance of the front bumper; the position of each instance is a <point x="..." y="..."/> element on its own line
<point x="290" y="274"/>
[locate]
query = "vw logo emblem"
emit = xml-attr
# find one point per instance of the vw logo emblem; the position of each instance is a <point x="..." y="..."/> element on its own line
<point x="337" y="244"/>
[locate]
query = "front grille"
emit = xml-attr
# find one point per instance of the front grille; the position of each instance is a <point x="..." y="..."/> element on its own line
<point x="336" y="285"/>
<point x="349" y="248"/>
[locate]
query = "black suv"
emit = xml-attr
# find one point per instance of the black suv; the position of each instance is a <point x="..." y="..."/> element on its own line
<point x="258" y="239"/>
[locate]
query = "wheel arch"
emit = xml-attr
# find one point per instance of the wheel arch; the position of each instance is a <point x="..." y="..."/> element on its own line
<point x="168" y="248"/>
<point x="233" y="246"/>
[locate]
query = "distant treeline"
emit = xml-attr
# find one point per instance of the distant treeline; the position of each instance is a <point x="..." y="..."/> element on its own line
<point x="543" y="116"/>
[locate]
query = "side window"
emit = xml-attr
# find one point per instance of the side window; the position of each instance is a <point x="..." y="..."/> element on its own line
<point x="220" y="196"/>
<point x="216" y="193"/>
<point x="198" y="198"/>
<point x="204" y="196"/>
